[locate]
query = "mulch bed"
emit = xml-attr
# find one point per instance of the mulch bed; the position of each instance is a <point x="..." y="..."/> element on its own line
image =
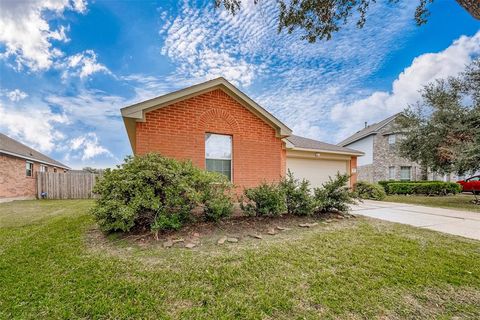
<point x="238" y="226"/>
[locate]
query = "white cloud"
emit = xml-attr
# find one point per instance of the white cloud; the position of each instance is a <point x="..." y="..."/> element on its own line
<point x="405" y="89"/>
<point x="148" y="87"/>
<point x="27" y="35"/>
<point x="88" y="146"/>
<point x="16" y="95"/>
<point x="302" y="110"/>
<point x="296" y="80"/>
<point x="191" y="40"/>
<point x="75" y="129"/>
<point x="91" y="107"/>
<point x="83" y="65"/>
<point x="33" y="126"/>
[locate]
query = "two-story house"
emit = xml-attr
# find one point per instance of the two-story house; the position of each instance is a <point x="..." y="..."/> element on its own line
<point x="381" y="160"/>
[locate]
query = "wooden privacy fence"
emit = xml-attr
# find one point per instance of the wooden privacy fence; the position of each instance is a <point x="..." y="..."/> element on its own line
<point x="66" y="185"/>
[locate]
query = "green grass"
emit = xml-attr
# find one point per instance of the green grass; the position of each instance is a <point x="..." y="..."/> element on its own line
<point x="58" y="266"/>
<point x="460" y="201"/>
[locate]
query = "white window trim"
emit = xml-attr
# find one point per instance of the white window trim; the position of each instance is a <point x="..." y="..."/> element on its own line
<point x="231" y="152"/>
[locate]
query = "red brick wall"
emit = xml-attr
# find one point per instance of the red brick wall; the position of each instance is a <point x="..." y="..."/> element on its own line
<point x="178" y="131"/>
<point x="13" y="180"/>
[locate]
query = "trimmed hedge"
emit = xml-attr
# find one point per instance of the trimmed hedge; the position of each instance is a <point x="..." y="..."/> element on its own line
<point x="384" y="183"/>
<point x="430" y="188"/>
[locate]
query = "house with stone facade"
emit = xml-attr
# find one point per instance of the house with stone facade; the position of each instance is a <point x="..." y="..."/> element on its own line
<point x="18" y="167"/>
<point x="381" y="160"/>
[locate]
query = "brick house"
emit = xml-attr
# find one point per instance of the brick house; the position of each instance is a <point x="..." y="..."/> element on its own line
<point x="221" y="129"/>
<point x="18" y="167"/>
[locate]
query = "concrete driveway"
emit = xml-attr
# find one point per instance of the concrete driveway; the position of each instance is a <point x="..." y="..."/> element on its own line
<point x="461" y="223"/>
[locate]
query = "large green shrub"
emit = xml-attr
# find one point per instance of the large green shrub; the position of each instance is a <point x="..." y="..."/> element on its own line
<point x="430" y="188"/>
<point x="154" y="193"/>
<point x="216" y="195"/>
<point x="263" y="200"/>
<point x="367" y="190"/>
<point x="334" y="195"/>
<point x="298" y="197"/>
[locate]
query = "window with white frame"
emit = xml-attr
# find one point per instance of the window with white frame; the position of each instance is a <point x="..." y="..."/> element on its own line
<point x="29" y="169"/>
<point x="218" y="154"/>
<point x="43" y="168"/>
<point x="391" y="173"/>
<point x="405" y="173"/>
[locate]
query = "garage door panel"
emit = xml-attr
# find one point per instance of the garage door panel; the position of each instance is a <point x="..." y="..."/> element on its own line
<point x="317" y="171"/>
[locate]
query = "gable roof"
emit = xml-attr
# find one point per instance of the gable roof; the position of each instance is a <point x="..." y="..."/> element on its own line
<point x="14" y="148"/>
<point x="369" y="130"/>
<point x="136" y="112"/>
<point x="301" y="143"/>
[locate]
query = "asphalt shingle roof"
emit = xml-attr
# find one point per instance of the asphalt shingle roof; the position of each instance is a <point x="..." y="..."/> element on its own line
<point x="10" y="145"/>
<point x="371" y="129"/>
<point x="305" y="143"/>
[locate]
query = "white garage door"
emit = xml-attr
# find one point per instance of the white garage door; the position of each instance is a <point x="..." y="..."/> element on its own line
<point x="316" y="171"/>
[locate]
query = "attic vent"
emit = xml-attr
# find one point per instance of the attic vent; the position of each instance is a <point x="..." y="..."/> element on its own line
<point x="31" y="153"/>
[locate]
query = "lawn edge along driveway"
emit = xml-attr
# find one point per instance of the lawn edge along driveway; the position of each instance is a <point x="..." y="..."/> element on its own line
<point x="456" y="222"/>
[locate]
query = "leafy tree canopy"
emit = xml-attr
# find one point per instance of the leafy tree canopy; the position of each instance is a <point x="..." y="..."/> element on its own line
<point x="321" y="18"/>
<point x="442" y="131"/>
<point x="92" y="170"/>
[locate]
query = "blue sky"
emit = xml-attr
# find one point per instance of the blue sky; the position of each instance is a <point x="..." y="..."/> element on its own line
<point x="68" y="66"/>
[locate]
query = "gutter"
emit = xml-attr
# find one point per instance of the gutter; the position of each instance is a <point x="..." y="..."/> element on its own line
<point x="329" y="151"/>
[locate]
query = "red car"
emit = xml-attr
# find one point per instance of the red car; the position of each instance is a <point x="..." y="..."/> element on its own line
<point x="471" y="184"/>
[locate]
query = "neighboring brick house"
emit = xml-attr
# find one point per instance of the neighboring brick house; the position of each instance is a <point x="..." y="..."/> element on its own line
<point x="221" y="129"/>
<point x="18" y="166"/>
<point x="381" y="160"/>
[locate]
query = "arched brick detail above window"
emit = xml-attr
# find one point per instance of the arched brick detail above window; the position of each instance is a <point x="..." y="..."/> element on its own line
<point x="217" y="120"/>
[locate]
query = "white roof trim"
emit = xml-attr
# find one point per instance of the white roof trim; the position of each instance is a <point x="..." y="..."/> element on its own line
<point x="372" y="132"/>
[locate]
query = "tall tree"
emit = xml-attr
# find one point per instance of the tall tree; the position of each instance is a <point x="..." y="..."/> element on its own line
<point x="319" y="19"/>
<point x="442" y="131"/>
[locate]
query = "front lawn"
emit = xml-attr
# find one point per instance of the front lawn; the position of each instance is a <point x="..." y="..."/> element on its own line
<point x="55" y="264"/>
<point x="460" y="201"/>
